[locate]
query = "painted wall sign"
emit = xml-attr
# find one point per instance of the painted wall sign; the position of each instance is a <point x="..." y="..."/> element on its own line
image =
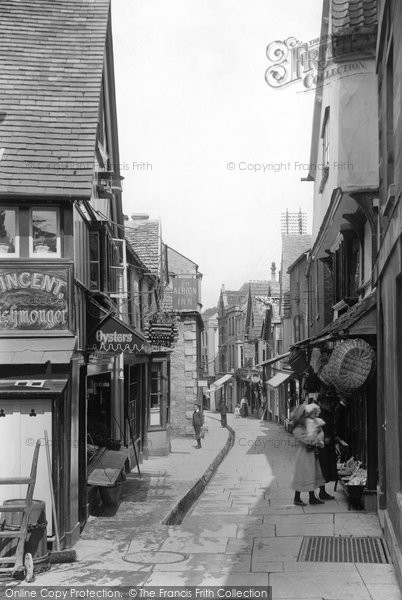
<point x="185" y="293"/>
<point x="35" y="298"/>
<point x="113" y="335"/>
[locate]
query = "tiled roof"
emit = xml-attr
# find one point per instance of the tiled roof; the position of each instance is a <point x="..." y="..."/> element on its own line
<point x="260" y="293"/>
<point x="353" y="14"/>
<point x="352" y="315"/>
<point x="257" y="288"/>
<point x="51" y="57"/>
<point x="144" y="237"/>
<point x="232" y="298"/>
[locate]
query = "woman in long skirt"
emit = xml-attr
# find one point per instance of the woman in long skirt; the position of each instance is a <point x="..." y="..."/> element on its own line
<point x="244" y="407"/>
<point x="307" y="474"/>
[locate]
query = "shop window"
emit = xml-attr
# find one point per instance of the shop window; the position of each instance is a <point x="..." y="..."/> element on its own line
<point x="354" y="267"/>
<point x="94" y="260"/>
<point x="156" y="395"/>
<point x="158" y="409"/>
<point x="44" y="236"/>
<point x="9" y="238"/>
<point x="117" y="268"/>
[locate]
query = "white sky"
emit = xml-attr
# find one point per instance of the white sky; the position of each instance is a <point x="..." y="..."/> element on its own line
<point x="191" y="97"/>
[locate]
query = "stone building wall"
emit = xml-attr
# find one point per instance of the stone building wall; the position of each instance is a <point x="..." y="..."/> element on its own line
<point x="184" y="376"/>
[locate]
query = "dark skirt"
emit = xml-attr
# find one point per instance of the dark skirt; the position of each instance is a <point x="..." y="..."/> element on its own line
<point x="244" y="410"/>
<point x="327" y="458"/>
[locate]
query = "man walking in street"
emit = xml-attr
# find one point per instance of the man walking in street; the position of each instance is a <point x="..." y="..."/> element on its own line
<point x="223" y="409"/>
<point x="197" y="424"/>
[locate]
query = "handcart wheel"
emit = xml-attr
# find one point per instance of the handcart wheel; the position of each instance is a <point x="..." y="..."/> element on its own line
<point x="29" y="567"/>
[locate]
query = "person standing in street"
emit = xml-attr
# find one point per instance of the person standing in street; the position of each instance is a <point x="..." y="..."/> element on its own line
<point x="244" y="407"/>
<point x="307" y="474"/>
<point x="264" y="407"/>
<point x="223" y="409"/>
<point x="327" y="454"/>
<point x="197" y="424"/>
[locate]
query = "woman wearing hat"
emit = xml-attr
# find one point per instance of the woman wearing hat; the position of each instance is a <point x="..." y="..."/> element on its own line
<point x="307" y="474"/>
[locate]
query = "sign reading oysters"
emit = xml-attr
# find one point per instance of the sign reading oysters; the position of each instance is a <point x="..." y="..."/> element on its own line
<point x="34" y="298"/>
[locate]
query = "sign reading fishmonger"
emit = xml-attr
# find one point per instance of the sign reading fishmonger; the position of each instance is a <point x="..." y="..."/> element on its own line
<point x="34" y="299"/>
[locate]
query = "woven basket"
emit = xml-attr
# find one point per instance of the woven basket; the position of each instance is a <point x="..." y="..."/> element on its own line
<point x="350" y="365"/>
<point x="298" y="360"/>
<point x="324" y="377"/>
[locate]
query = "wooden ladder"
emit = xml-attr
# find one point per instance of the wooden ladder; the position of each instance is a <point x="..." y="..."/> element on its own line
<point x="18" y="559"/>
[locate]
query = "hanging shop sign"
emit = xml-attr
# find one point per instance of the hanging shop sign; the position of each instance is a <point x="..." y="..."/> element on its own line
<point x="249" y="351"/>
<point x="112" y="335"/>
<point x="35" y="298"/>
<point x="161" y="330"/>
<point x="185" y="293"/>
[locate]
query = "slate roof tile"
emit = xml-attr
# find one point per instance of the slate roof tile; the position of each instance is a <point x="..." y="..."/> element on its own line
<point x="51" y="56"/>
<point x="144" y="237"/>
<point x="353" y="14"/>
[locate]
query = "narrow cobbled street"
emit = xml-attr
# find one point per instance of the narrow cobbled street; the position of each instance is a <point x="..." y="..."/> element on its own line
<point x="243" y="530"/>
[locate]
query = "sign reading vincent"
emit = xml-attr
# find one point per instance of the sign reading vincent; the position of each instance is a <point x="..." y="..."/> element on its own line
<point x="185" y="296"/>
<point x="34" y="298"/>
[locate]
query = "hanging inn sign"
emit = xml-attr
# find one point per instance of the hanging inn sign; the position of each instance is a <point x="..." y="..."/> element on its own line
<point x="111" y="335"/>
<point x="35" y="298"/>
<point x="185" y="293"/>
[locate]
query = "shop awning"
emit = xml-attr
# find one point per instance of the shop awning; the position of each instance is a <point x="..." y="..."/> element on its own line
<point x="274" y="359"/>
<point x="220" y="382"/>
<point x="279" y="378"/>
<point x="31" y="386"/>
<point x="38" y="350"/>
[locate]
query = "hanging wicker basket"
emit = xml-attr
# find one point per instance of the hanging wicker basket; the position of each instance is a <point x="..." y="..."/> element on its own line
<point x="324" y="377"/>
<point x="298" y="360"/>
<point x="351" y="365"/>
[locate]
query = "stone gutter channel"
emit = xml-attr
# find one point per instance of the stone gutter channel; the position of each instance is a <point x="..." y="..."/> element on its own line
<point x="177" y="514"/>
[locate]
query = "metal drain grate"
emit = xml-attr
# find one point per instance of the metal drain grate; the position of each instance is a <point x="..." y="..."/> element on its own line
<point x="342" y="549"/>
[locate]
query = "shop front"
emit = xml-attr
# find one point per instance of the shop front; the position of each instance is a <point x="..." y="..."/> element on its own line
<point x="38" y="384"/>
<point x="281" y="389"/>
<point x="222" y="389"/>
<point x="110" y="409"/>
<point x="344" y="359"/>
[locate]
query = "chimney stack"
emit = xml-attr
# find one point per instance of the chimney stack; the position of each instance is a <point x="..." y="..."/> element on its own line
<point x="273" y="271"/>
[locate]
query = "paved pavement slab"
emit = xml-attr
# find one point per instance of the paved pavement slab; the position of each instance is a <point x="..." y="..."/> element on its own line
<point x="244" y="529"/>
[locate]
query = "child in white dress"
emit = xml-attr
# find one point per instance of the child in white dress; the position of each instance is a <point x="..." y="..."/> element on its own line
<point x="314" y="423"/>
